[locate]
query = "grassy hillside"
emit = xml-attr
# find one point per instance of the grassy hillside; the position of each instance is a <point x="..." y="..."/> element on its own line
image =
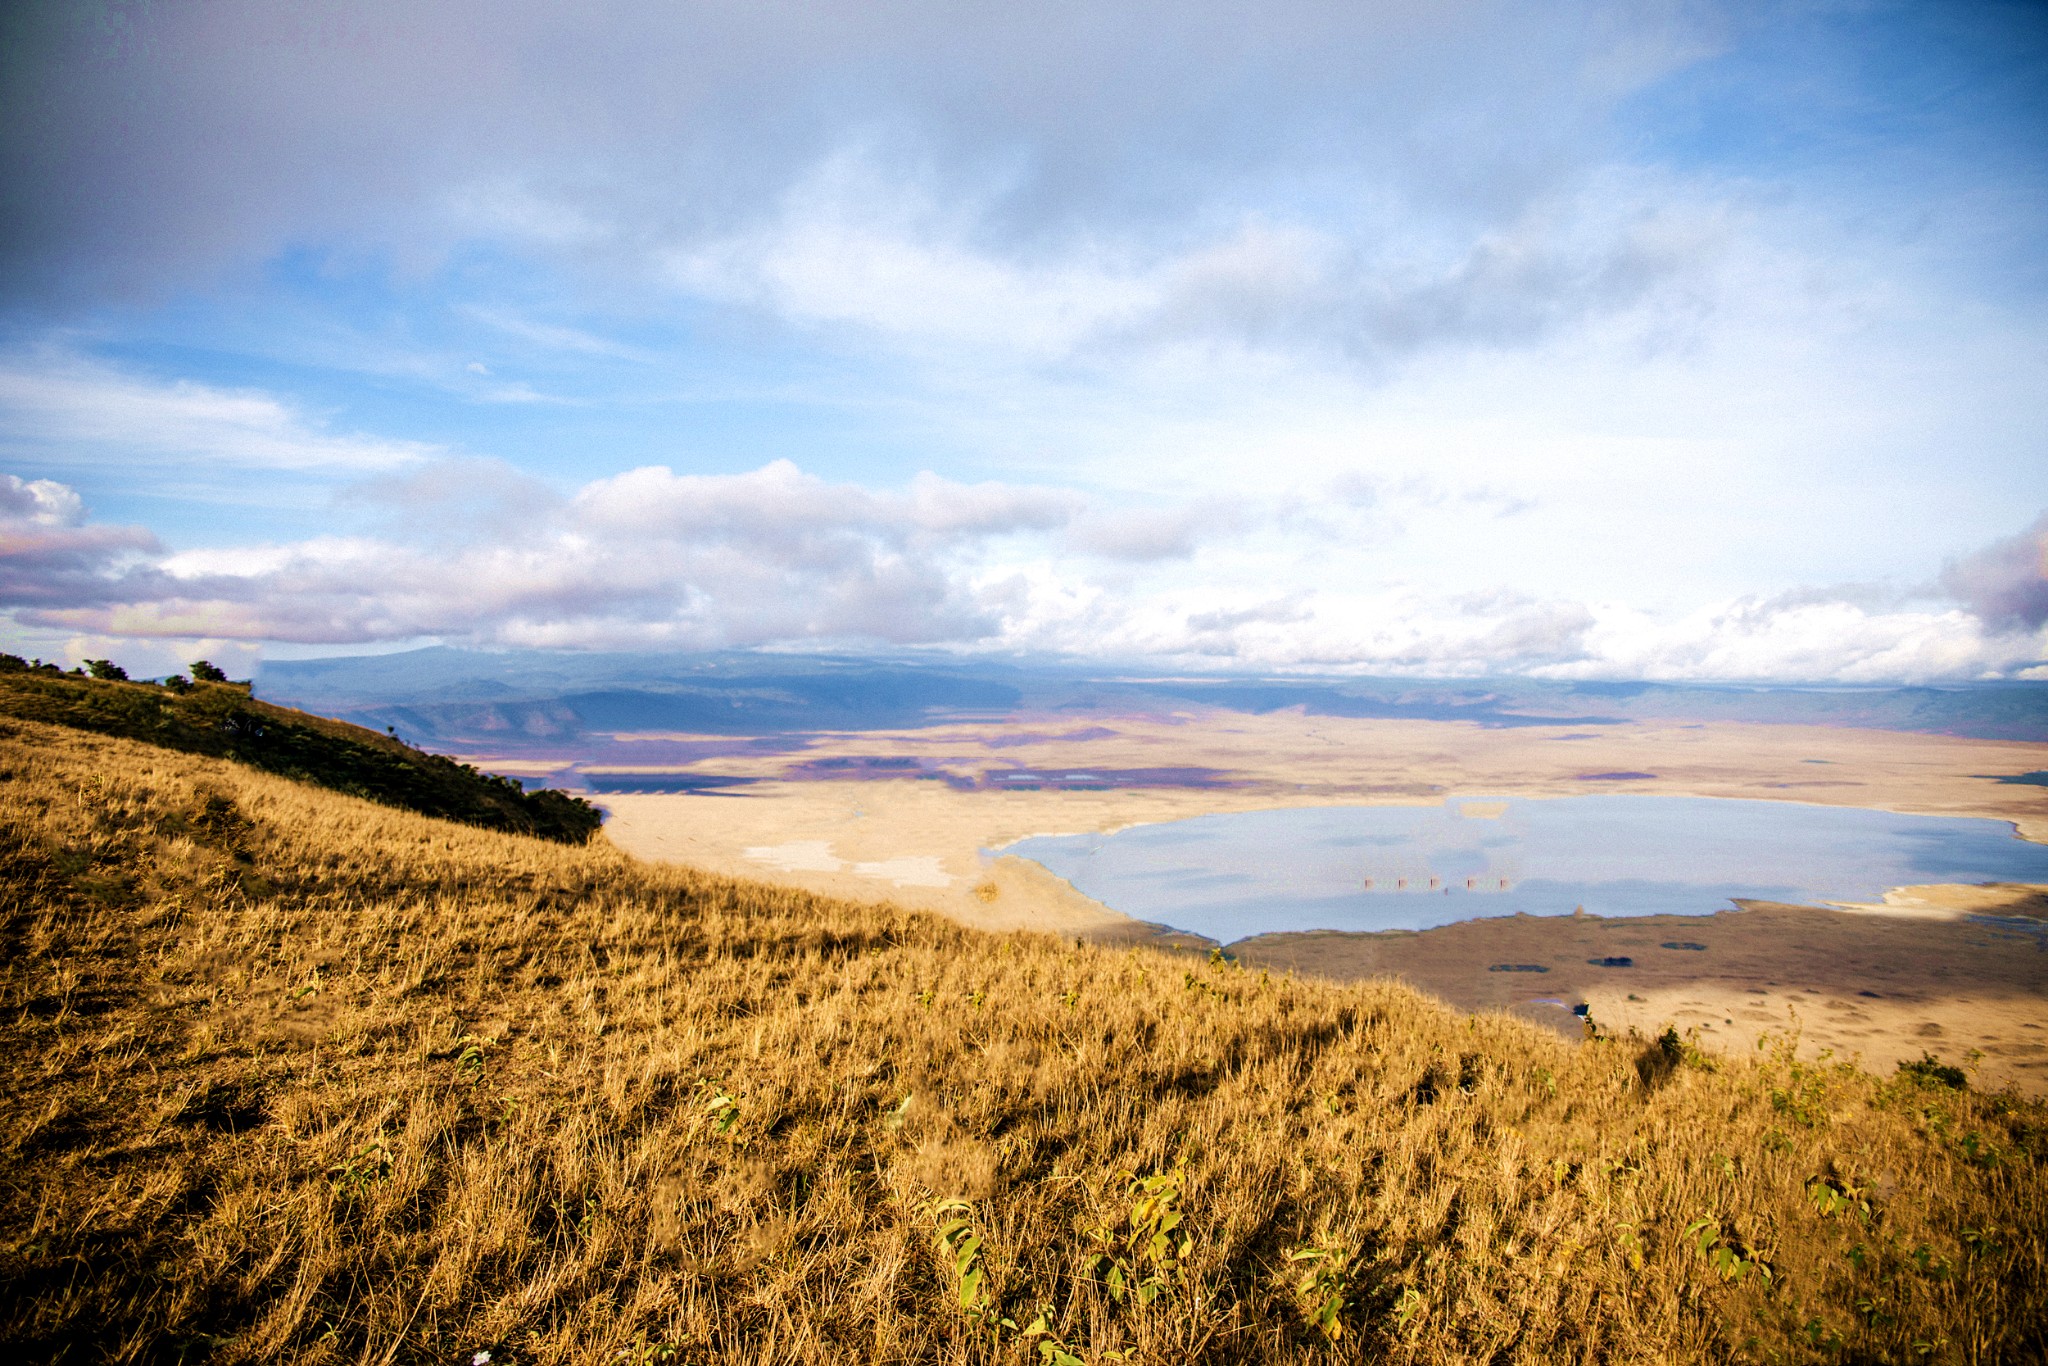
<point x="294" y="1077"/>
<point x="222" y="719"/>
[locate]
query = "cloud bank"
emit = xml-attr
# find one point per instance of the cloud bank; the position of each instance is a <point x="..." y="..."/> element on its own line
<point x="630" y="130"/>
<point x="653" y="559"/>
<point x="52" y="562"/>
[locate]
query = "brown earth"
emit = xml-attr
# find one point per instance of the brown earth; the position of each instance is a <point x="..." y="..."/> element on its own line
<point x="1885" y="988"/>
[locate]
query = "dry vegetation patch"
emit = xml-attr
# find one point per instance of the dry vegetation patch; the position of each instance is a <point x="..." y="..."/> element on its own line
<point x="290" y="1076"/>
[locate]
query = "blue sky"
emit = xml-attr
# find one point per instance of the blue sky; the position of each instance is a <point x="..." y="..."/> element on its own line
<point x="1571" y="340"/>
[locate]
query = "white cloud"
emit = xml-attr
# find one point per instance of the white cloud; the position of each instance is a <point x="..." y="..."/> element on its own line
<point x="858" y="245"/>
<point x="648" y="557"/>
<point x="51" y="559"/>
<point x="1161" y="532"/>
<point x="776" y="556"/>
<point x="779" y="504"/>
<point x="39" y="502"/>
<point x="1747" y="640"/>
<point x="63" y="408"/>
<point x="851" y="245"/>
<point x="1416" y="633"/>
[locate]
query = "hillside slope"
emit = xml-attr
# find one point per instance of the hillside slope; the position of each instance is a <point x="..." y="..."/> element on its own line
<point x="295" y="1077"/>
<point x="223" y="720"/>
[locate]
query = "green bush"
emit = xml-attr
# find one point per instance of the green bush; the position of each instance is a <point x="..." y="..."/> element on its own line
<point x="223" y="720"/>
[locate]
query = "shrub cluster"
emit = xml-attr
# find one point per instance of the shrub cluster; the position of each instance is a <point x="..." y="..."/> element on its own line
<point x="207" y="714"/>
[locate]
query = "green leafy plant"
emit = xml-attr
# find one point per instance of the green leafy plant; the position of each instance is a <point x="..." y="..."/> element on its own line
<point x="1980" y="1150"/>
<point x="1050" y="1349"/>
<point x="959" y="1246"/>
<point x="1818" y="1334"/>
<point x="1326" y="1286"/>
<point x="1832" y="1196"/>
<point x="1932" y="1071"/>
<point x="1980" y="1243"/>
<point x="1930" y="1263"/>
<point x="719" y="1105"/>
<point x="1629" y="1238"/>
<point x="1731" y="1258"/>
<point x="1141" y="1257"/>
<point x="1803" y="1098"/>
<point x="645" y="1351"/>
<point x="367" y="1166"/>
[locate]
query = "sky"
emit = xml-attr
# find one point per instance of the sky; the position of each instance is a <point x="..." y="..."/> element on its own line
<point x="1657" y="340"/>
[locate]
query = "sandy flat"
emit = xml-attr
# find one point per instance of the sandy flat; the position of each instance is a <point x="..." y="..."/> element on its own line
<point x="924" y="842"/>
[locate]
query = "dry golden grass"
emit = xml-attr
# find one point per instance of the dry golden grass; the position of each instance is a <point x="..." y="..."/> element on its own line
<point x="294" y="1078"/>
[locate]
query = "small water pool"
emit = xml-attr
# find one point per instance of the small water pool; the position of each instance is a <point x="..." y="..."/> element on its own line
<point x="1364" y="868"/>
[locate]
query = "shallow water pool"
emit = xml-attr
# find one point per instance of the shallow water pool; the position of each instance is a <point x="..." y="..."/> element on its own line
<point x="1403" y="867"/>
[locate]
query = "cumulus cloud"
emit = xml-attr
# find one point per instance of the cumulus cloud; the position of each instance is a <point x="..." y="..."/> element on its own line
<point x="39" y="502"/>
<point x="1584" y="250"/>
<point x="779" y="507"/>
<point x="1752" y="640"/>
<point x="1367" y="334"/>
<point x="1162" y="531"/>
<point x="1532" y="635"/>
<point x="92" y="412"/>
<point x="1234" y="633"/>
<point x="775" y="556"/>
<point x="1400" y="630"/>
<point x="2006" y="583"/>
<point x="649" y="557"/>
<point x="50" y="559"/>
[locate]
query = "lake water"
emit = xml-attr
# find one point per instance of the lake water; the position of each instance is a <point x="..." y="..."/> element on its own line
<point x="1404" y="867"/>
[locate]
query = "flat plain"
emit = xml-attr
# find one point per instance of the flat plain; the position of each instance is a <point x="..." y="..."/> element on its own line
<point x="914" y="816"/>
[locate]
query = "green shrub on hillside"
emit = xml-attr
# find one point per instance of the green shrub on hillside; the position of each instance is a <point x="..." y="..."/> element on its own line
<point x="214" y="717"/>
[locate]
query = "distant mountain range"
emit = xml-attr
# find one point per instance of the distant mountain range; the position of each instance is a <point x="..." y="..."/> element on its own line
<point x="546" y="700"/>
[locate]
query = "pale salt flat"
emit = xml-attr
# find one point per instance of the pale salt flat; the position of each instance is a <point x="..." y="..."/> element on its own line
<point x="800" y="856"/>
<point x="816" y="856"/>
<point x="921" y="870"/>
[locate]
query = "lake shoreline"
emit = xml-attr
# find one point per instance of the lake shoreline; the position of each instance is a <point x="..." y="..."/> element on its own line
<point x="1366" y="869"/>
<point x="1885" y="989"/>
<point x="1284" y="760"/>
